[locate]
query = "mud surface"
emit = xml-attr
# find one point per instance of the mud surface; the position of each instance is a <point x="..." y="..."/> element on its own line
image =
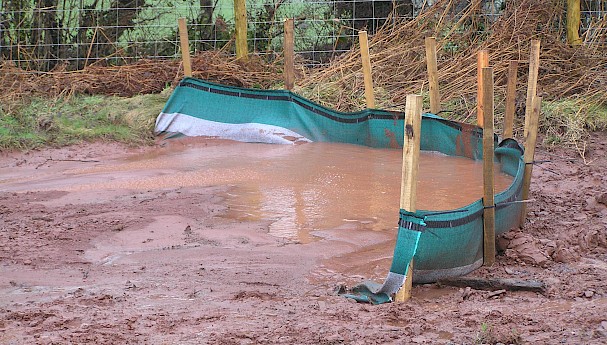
<point x="97" y="245"/>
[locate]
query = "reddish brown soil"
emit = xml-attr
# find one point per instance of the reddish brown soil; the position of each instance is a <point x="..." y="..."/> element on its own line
<point x="167" y="266"/>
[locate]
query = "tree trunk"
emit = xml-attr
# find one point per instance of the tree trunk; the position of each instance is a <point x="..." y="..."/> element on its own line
<point x="45" y="34"/>
<point x="205" y="24"/>
<point x="573" y="22"/>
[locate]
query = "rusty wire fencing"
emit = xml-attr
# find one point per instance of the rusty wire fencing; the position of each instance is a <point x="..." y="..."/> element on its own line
<point x="48" y="34"/>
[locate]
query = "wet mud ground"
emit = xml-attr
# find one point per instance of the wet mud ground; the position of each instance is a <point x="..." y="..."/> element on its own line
<point x="86" y="257"/>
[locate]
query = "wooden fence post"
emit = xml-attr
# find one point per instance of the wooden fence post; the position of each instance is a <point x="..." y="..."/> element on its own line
<point x="408" y="187"/>
<point x="185" y="47"/>
<point x="482" y="61"/>
<point x="289" y="54"/>
<point x="364" y="53"/>
<point x="431" y="65"/>
<point x="534" y="65"/>
<point x="489" y="193"/>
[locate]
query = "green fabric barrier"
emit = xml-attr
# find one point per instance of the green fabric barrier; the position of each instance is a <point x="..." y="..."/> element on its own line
<point x="451" y="243"/>
<point x="195" y="101"/>
<point x="410" y="229"/>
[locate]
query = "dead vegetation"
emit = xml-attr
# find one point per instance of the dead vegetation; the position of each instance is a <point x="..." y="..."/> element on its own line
<point x="399" y="66"/>
<point x="143" y="77"/>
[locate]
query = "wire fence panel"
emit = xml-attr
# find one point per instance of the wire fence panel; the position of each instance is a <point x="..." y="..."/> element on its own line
<point x="594" y="21"/>
<point x="47" y="34"/>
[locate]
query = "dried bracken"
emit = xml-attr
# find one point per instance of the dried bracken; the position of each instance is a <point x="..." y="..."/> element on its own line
<point x="462" y="29"/>
<point x="143" y="77"/>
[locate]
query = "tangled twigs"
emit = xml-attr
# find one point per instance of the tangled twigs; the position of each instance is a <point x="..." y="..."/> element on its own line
<point x="461" y="29"/>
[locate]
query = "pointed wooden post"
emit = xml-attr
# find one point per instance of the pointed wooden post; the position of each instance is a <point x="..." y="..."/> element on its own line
<point x="482" y="61"/>
<point x="364" y="53"/>
<point x="510" y="100"/>
<point x="240" y="16"/>
<point x="534" y="65"/>
<point x="530" y="141"/>
<point x="488" y="187"/>
<point x="185" y="47"/>
<point x="408" y="187"/>
<point x="289" y="54"/>
<point x="431" y="65"/>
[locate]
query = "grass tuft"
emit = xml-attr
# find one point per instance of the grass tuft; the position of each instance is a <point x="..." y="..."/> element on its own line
<point x="59" y="122"/>
<point x="567" y="121"/>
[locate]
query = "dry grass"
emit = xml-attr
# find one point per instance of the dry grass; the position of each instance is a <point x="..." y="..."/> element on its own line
<point x="142" y="77"/>
<point x="397" y="55"/>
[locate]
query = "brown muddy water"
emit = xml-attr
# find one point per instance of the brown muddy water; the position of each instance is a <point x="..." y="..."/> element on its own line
<point x="296" y="188"/>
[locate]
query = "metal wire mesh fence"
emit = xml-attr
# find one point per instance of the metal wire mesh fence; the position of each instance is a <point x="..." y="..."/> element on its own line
<point x="44" y="34"/>
<point x="594" y="21"/>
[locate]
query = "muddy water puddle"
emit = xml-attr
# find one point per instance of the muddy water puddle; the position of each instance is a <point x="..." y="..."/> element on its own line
<point x="297" y="189"/>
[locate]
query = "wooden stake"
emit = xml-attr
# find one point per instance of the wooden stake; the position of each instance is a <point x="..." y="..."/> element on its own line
<point x="510" y="99"/>
<point x="534" y="65"/>
<point x="185" y="47"/>
<point x="404" y="294"/>
<point x="364" y="52"/>
<point x="530" y="140"/>
<point x="482" y="61"/>
<point x="289" y="53"/>
<point x="488" y="197"/>
<point x="408" y="187"/>
<point x="240" y="16"/>
<point x="411" y="143"/>
<point x="431" y="65"/>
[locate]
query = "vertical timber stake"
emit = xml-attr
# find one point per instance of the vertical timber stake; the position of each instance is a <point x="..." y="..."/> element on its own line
<point x="510" y="100"/>
<point x="482" y="61"/>
<point x="289" y="54"/>
<point x="488" y="197"/>
<point x="431" y="65"/>
<point x="530" y="140"/>
<point x="408" y="187"/>
<point x="185" y="47"/>
<point x="534" y="65"/>
<point x="240" y="16"/>
<point x="364" y="53"/>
